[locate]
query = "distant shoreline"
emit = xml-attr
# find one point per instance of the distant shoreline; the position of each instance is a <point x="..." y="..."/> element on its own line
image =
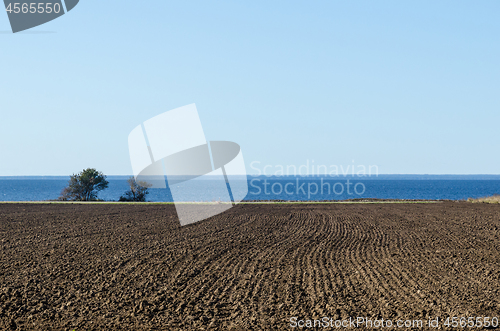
<point x="361" y="201"/>
<point x="305" y="177"/>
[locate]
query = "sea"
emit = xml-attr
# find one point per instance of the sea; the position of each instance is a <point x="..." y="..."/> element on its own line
<point x="277" y="188"/>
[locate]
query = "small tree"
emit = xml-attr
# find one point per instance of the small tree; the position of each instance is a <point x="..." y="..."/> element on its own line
<point x="137" y="192"/>
<point x="84" y="186"/>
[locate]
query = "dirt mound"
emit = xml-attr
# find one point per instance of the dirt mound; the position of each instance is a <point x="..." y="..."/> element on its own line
<point x="132" y="267"/>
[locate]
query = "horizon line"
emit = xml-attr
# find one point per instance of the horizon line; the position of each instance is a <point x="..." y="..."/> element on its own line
<point x="289" y="175"/>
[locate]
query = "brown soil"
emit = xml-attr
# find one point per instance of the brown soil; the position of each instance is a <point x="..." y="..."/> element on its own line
<point x="114" y="267"/>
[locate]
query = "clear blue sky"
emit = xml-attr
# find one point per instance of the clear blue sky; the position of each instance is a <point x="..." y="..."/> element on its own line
<point x="409" y="86"/>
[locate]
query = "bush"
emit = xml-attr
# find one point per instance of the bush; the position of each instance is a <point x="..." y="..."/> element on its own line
<point x="137" y="191"/>
<point x="84" y="186"/>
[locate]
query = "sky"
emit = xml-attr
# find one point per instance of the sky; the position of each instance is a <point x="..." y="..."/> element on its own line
<point x="409" y="86"/>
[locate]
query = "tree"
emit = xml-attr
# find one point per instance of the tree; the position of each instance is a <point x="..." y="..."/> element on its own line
<point x="84" y="186"/>
<point x="137" y="192"/>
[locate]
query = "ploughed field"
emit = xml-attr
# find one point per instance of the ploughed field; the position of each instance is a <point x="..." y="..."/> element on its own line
<point x="132" y="267"/>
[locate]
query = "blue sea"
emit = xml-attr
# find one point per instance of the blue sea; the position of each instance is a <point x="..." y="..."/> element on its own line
<point x="296" y="188"/>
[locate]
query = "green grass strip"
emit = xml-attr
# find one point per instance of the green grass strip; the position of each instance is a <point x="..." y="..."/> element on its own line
<point x="210" y="203"/>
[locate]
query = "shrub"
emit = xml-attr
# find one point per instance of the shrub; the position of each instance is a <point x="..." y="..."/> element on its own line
<point x="137" y="192"/>
<point x="84" y="186"/>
